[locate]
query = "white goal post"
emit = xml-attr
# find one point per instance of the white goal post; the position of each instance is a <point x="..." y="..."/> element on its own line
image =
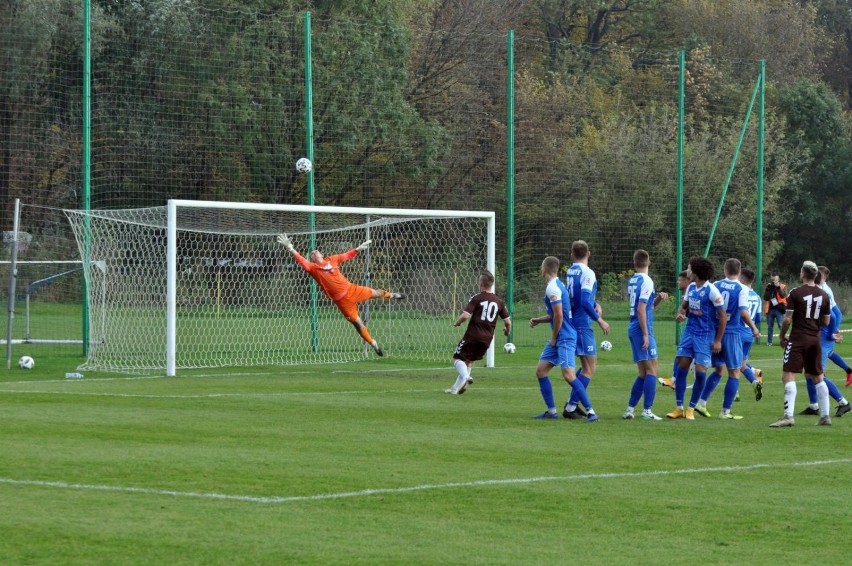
<point x="205" y="283"/>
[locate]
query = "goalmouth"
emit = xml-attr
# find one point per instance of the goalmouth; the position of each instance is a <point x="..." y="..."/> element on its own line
<point x="205" y="284"/>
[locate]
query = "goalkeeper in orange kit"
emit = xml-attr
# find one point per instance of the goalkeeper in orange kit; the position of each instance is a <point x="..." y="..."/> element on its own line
<point x="344" y="294"/>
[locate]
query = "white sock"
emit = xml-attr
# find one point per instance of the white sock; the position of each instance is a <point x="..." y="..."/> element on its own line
<point x="461" y="369"/>
<point x="822" y="395"/>
<point x="789" y="398"/>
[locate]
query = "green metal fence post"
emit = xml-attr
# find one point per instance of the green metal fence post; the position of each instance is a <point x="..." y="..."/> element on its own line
<point x="86" y="164"/>
<point x="309" y="152"/>
<point x="761" y="108"/>
<point x="681" y="110"/>
<point x="510" y="175"/>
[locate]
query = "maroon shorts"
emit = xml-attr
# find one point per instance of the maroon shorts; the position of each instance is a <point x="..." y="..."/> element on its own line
<point x="803" y="353"/>
<point x="471" y="350"/>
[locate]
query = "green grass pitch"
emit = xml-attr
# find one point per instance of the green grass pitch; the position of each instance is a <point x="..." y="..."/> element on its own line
<point x="371" y="463"/>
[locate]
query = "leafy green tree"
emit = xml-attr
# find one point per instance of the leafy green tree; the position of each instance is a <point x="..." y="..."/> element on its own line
<point x="818" y="131"/>
<point x="786" y="34"/>
<point x="25" y="42"/>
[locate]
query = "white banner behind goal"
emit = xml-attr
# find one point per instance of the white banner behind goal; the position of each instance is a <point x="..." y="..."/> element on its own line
<point x="205" y="284"/>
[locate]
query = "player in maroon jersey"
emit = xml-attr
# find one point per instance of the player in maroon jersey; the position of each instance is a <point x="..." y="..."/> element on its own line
<point x="482" y="311"/>
<point x="808" y="310"/>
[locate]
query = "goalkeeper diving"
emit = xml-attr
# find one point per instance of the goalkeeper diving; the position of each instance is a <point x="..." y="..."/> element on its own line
<point x="344" y="294"/>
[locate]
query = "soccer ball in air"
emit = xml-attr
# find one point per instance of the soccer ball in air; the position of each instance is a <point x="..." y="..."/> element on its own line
<point x="606" y="345"/>
<point x="509" y="348"/>
<point x="304" y="165"/>
<point x="26" y="362"/>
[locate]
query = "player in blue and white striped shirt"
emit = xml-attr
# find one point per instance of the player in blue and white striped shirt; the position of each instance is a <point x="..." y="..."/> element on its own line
<point x="835" y="357"/>
<point x="755" y="377"/>
<point x="735" y="296"/>
<point x="582" y="285"/>
<point x="702" y="305"/>
<point x="640" y="332"/>
<point x="560" y="348"/>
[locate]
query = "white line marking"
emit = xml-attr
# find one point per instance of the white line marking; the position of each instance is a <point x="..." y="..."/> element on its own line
<point x="414" y="488"/>
<point x="243" y="395"/>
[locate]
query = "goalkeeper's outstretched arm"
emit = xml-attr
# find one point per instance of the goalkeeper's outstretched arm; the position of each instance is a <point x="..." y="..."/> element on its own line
<point x="284" y="240"/>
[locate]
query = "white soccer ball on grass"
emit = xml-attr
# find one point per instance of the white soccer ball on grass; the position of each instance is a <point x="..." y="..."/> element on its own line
<point x="304" y="165"/>
<point x="26" y="362"/>
<point x="509" y="348"/>
<point x="606" y="345"/>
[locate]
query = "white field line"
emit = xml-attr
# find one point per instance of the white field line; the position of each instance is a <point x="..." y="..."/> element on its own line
<point x="480" y="371"/>
<point x="246" y="395"/>
<point x="414" y="488"/>
<point x="76" y="384"/>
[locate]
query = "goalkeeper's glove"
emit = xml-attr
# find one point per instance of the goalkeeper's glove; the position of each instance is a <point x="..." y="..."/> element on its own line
<point x="285" y="241"/>
<point x="364" y="246"/>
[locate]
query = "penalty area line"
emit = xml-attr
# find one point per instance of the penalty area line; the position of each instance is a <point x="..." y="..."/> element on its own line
<point x="414" y="488"/>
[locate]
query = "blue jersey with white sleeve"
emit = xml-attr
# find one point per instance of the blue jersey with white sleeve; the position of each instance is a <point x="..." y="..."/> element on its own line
<point x="827" y="332"/>
<point x="735" y="296"/>
<point x="556" y="296"/>
<point x="754" y="303"/>
<point x="832" y="303"/>
<point x="583" y="286"/>
<point x="702" y="304"/>
<point x="640" y="289"/>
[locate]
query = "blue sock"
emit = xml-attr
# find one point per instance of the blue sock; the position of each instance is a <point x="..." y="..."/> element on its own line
<point x="582" y="396"/>
<point x="835" y="357"/>
<point x="585" y="380"/>
<point x="812" y="394"/>
<point x="748" y="372"/>
<point x="650" y="391"/>
<point x="636" y="391"/>
<point x="680" y="385"/>
<point x="698" y="387"/>
<point x="832" y="389"/>
<point x="710" y="385"/>
<point x="546" y="389"/>
<point x="731" y="388"/>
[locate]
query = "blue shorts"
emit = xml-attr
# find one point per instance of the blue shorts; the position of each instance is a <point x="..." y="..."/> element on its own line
<point x="697" y="347"/>
<point x="731" y="355"/>
<point x="747" y="349"/>
<point x="640" y="355"/>
<point x="586" y="342"/>
<point x="561" y="355"/>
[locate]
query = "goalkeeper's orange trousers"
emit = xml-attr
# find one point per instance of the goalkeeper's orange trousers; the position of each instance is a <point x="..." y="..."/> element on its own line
<point x="348" y="305"/>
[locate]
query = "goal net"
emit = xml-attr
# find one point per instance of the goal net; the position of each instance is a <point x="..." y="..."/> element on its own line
<point x="205" y="284"/>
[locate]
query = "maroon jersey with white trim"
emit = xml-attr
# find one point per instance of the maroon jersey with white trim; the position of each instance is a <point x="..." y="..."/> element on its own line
<point x="484" y="308"/>
<point x="809" y="304"/>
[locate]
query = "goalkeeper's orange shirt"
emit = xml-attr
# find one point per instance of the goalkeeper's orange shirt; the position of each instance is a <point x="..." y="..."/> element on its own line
<point x="327" y="274"/>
